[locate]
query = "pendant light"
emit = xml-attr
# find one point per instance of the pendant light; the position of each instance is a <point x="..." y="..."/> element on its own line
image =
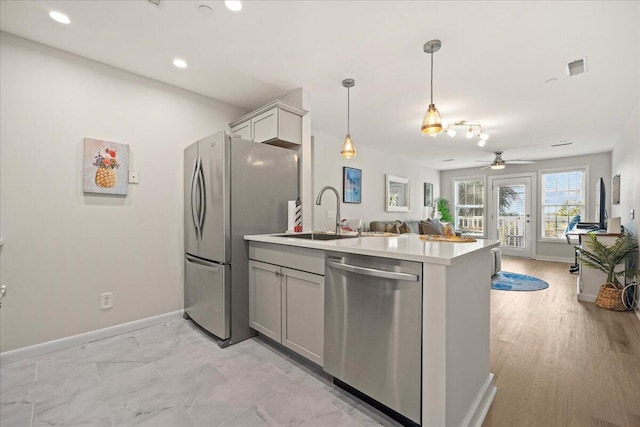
<point x="432" y="123"/>
<point x="348" y="149"/>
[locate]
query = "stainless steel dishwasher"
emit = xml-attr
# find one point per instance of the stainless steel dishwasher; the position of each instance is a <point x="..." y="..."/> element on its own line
<point x="373" y="329"/>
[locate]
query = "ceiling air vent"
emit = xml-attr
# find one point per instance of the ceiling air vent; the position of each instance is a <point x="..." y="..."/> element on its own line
<point x="576" y="67"/>
<point x="155" y="2"/>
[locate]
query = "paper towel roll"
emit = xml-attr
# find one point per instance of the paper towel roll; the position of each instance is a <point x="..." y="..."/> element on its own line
<point x="613" y="225"/>
<point x="291" y="215"/>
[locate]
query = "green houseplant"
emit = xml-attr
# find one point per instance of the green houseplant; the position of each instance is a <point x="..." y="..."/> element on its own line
<point x="442" y="205"/>
<point x="606" y="258"/>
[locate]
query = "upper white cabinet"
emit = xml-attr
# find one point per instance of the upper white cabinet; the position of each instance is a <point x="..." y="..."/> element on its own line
<point x="276" y="123"/>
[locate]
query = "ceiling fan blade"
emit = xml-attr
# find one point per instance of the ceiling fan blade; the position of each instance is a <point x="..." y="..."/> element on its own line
<point x="485" y="167"/>
<point x="521" y="162"/>
<point x="485" y="161"/>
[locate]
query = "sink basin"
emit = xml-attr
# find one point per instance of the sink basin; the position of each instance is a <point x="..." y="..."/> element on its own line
<point x="316" y="236"/>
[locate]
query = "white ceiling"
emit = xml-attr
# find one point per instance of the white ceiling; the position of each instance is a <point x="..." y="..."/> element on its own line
<point x="492" y="67"/>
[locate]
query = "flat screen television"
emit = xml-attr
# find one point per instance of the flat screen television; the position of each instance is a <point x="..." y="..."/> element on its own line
<point x="601" y="206"/>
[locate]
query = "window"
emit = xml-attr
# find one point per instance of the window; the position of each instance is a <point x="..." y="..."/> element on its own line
<point x="469" y="205"/>
<point x="563" y="197"/>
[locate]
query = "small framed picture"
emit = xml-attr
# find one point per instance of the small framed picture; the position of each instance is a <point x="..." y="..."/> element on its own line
<point x="351" y="185"/>
<point x="428" y="194"/>
<point x="616" y="190"/>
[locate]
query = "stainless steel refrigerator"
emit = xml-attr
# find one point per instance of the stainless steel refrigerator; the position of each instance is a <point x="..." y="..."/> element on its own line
<point x="232" y="187"/>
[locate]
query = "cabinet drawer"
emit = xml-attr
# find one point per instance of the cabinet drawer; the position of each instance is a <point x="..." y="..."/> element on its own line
<point x="311" y="260"/>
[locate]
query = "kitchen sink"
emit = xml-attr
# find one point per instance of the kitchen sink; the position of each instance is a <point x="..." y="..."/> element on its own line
<point x="317" y="236"/>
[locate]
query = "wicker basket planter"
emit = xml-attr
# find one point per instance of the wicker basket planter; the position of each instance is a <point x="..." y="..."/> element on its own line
<point x="610" y="297"/>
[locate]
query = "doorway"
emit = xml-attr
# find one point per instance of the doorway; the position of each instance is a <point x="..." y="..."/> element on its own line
<point x="511" y="218"/>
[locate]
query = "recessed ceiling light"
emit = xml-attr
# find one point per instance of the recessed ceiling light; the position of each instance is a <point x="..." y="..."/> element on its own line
<point x="180" y="63"/>
<point x="561" y="144"/>
<point x="234" y="5"/>
<point x="448" y="160"/>
<point x="59" y="17"/>
<point x="205" y="10"/>
<point x="551" y="80"/>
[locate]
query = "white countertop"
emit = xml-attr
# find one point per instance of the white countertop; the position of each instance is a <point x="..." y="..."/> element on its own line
<point x="403" y="246"/>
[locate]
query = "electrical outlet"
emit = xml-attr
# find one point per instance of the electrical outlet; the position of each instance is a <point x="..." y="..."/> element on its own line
<point x="106" y="300"/>
<point x="133" y="176"/>
<point x="331" y="214"/>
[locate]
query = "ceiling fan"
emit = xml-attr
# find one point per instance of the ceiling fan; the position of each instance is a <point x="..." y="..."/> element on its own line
<point x="499" y="163"/>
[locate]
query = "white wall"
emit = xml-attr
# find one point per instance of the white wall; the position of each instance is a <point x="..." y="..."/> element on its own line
<point x="327" y="170"/>
<point x="625" y="161"/>
<point x="599" y="166"/>
<point x="64" y="248"/>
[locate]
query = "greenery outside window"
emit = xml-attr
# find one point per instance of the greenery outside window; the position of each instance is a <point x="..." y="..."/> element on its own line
<point x="563" y="197"/>
<point x="469" y="201"/>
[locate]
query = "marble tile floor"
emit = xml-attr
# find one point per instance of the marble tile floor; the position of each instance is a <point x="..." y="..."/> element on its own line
<point x="174" y="375"/>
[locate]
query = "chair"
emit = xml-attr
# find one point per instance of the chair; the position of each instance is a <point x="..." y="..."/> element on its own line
<point x="575" y="242"/>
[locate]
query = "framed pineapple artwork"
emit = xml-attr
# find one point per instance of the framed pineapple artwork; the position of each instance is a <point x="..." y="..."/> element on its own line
<point x="105" y="167"/>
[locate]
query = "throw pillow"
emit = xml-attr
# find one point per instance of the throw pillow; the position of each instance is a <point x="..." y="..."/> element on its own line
<point x="447" y="230"/>
<point x="404" y="228"/>
<point x="392" y="228"/>
<point x="430" y="227"/>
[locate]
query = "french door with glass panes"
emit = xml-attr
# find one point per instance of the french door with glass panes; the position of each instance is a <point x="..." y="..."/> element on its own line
<point x="510" y="215"/>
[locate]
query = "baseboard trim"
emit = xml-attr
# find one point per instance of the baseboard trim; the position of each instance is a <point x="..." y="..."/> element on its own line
<point x="553" y="259"/>
<point x="477" y="413"/>
<point x="87" y="337"/>
<point x="586" y="297"/>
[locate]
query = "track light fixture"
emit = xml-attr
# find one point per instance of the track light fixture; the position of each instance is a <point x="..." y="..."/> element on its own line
<point x="473" y="129"/>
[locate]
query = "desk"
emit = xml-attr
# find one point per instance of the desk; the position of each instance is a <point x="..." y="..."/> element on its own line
<point x="590" y="279"/>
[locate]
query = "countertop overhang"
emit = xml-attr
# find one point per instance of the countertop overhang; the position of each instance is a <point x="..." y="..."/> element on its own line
<point x="403" y="246"/>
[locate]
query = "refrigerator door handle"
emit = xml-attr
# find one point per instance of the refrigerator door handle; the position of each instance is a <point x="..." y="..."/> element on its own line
<point x="202" y="195"/>
<point x="193" y="198"/>
<point x="214" y="267"/>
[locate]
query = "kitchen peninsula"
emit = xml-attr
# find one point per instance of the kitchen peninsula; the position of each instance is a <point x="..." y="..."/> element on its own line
<point x="288" y="275"/>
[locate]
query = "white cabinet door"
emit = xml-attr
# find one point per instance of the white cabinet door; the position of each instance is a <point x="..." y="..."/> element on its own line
<point x="265" y="299"/>
<point x="265" y="126"/>
<point x="303" y="313"/>
<point x="243" y="130"/>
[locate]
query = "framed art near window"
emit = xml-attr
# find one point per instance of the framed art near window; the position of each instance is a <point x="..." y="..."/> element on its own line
<point x="428" y="194"/>
<point x="615" y="199"/>
<point x="351" y="185"/>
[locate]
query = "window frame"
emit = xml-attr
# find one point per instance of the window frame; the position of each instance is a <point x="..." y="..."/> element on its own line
<point x="454" y="203"/>
<point x="585" y="189"/>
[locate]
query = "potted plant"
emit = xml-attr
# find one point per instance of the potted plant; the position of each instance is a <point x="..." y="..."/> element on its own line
<point x="606" y="258"/>
<point x="442" y="206"/>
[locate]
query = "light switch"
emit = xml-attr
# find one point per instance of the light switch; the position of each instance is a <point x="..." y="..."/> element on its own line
<point x="133" y="176"/>
<point x="331" y="214"/>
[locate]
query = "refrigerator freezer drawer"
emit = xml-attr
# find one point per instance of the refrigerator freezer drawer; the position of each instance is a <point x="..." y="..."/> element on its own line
<point x="207" y="295"/>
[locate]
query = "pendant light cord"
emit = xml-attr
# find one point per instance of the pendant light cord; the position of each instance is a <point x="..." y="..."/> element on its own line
<point x="431" y="77"/>
<point x="348" y="108"/>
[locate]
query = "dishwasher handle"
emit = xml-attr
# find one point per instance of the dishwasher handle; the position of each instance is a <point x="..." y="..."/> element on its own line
<point x="373" y="272"/>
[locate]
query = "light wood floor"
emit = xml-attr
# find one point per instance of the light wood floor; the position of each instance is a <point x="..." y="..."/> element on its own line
<point x="559" y="361"/>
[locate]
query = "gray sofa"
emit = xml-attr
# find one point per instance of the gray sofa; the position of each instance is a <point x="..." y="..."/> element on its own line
<point x="430" y="226"/>
<point x="423" y="226"/>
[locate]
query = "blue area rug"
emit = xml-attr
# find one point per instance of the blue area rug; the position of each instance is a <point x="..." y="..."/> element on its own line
<point x="505" y="281"/>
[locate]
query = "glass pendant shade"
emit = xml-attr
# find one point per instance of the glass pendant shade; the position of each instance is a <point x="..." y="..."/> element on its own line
<point x="497" y="166"/>
<point x="348" y="149"/>
<point x="432" y="123"/>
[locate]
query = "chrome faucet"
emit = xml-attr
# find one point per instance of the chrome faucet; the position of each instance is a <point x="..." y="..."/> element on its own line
<point x="319" y="202"/>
